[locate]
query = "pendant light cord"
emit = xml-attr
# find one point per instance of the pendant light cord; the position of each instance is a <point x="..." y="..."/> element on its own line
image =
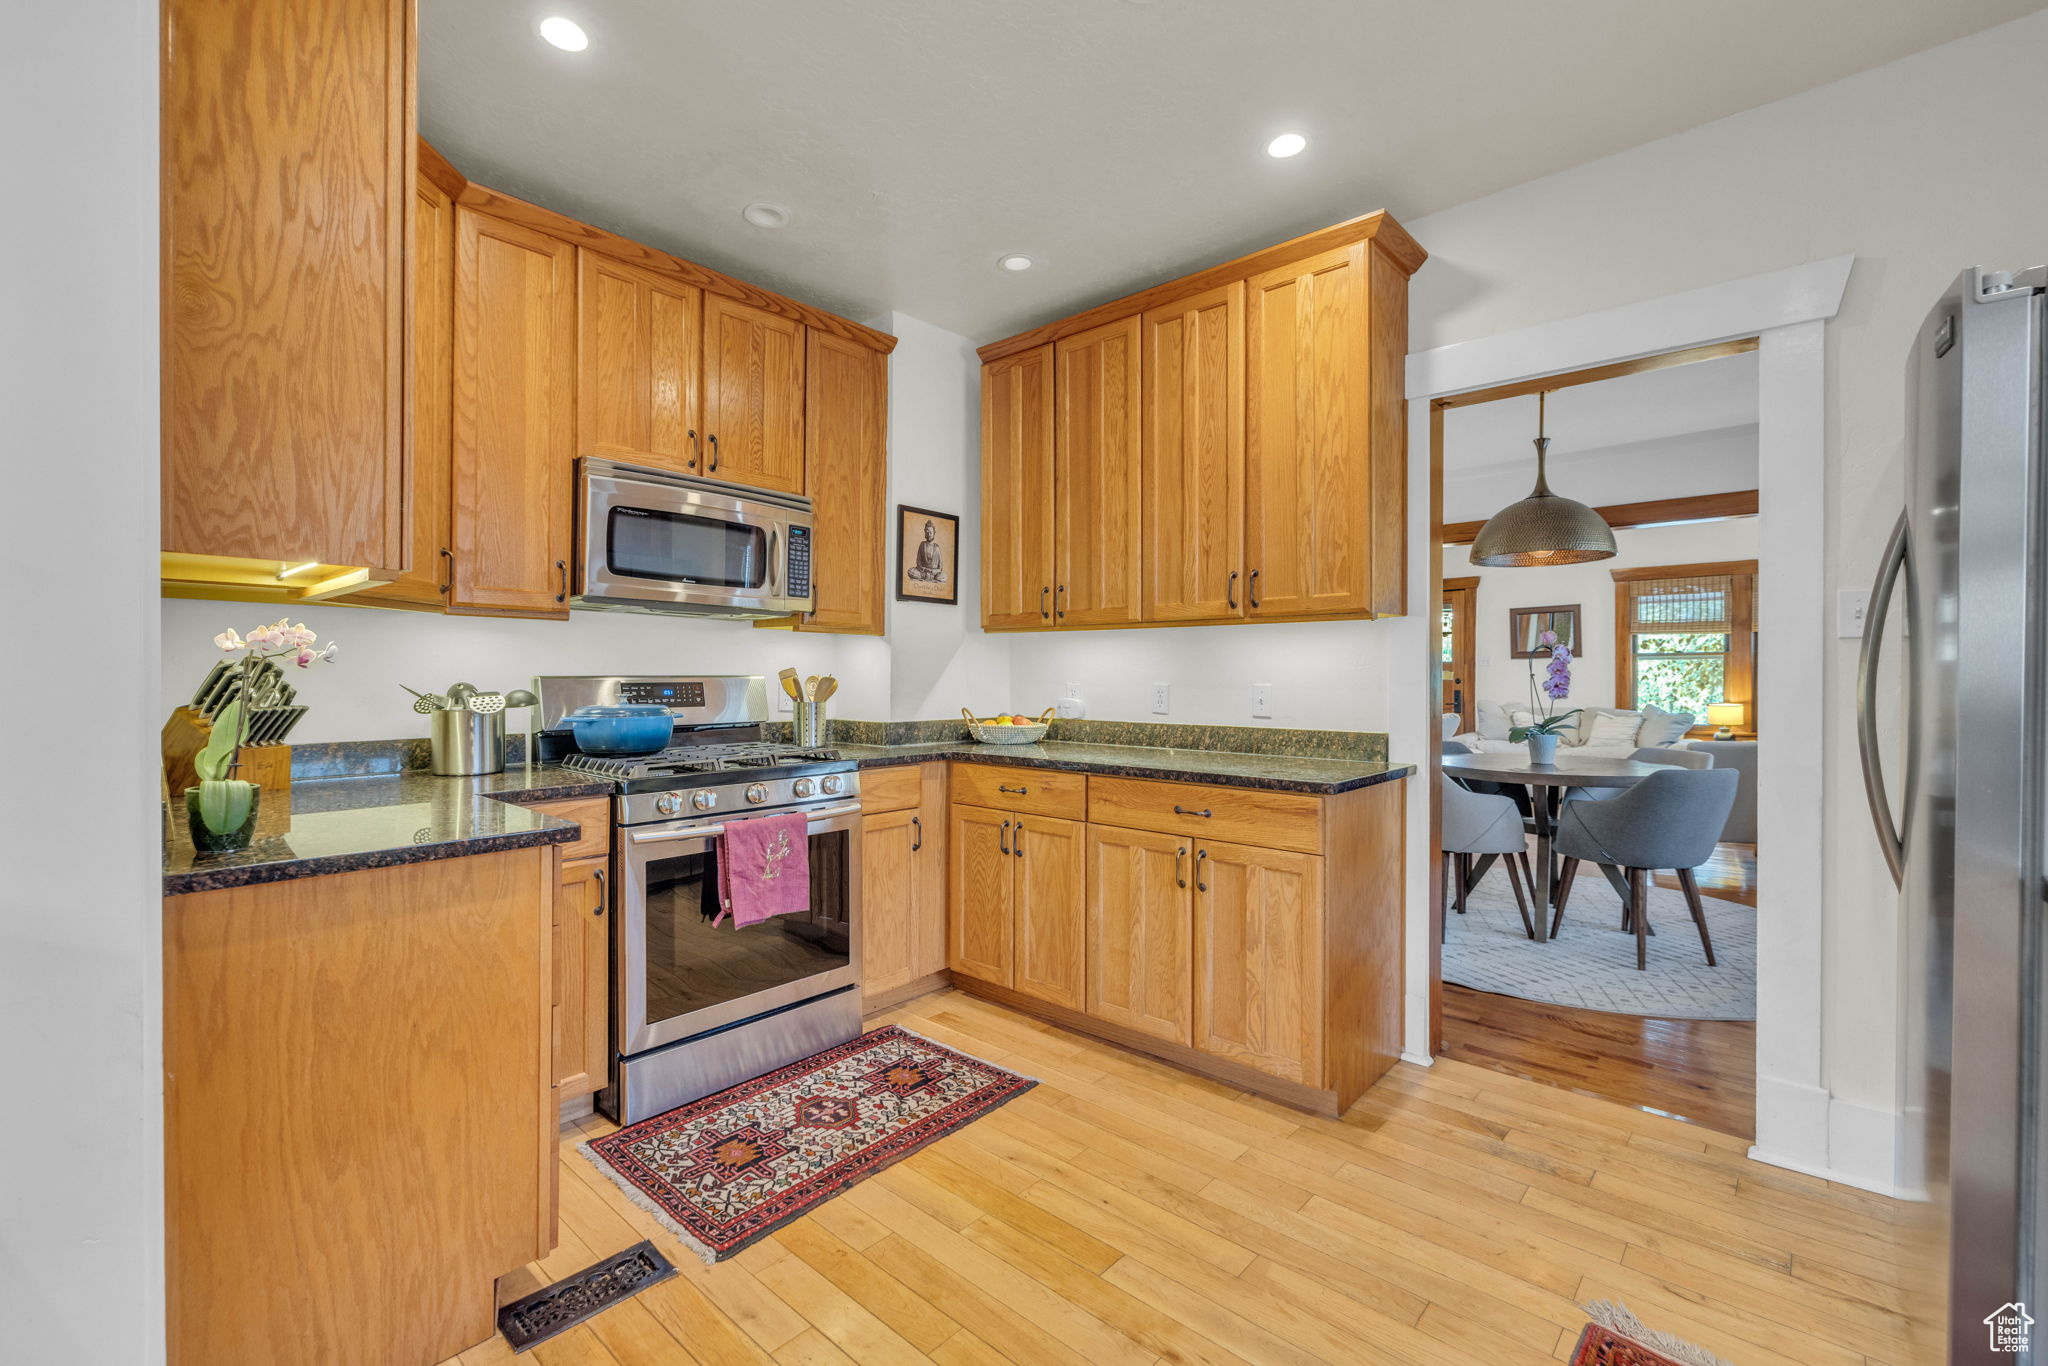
<point x="1542" y="489"/>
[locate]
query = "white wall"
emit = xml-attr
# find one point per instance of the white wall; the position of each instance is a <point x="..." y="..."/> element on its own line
<point x="1499" y="677"/>
<point x="1919" y="169"/>
<point x="1720" y="461"/>
<point x="81" y="1002"/>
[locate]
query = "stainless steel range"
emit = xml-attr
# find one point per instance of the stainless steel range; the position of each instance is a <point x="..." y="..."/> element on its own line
<point x="698" y="1007"/>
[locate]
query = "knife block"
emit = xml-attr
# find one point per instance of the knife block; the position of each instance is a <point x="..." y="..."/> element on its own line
<point x="267" y="766"/>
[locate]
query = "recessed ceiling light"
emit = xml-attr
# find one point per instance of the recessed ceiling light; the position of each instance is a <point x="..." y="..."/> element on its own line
<point x="1016" y="261"/>
<point x="766" y="215"/>
<point x="565" y="34"/>
<point x="1286" y="145"/>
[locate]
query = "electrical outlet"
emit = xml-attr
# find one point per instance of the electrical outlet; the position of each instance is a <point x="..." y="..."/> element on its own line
<point x="1850" y="606"/>
<point x="784" y="703"/>
<point x="1162" y="699"/>
<point x="1483" y="661"/>
<point x="1262" y="701"/>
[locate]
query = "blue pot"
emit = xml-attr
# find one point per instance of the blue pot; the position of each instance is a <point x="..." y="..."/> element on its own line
<point x="633" y="728"/>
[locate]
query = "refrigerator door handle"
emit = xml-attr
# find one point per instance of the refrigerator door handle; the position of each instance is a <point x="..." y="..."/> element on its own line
<point x="1897" y="559"/>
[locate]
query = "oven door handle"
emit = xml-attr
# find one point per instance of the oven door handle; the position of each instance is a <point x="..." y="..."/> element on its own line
<point x="698" y="832"/>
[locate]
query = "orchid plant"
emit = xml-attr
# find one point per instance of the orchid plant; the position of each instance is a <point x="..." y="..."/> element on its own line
<point x="1544" y="696"/>
<point x="224" y="800"/>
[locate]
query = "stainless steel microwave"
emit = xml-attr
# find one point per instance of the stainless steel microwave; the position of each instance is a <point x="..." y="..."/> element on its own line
<point x="649" y="540"/>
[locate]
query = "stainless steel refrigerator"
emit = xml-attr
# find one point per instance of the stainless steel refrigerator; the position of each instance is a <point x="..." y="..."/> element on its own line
<point x="1962" y="821"/>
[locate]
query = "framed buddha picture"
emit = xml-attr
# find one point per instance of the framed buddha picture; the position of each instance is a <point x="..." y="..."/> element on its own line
<point x="927" y="555"/>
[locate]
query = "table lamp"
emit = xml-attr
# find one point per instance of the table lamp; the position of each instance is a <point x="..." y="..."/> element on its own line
<point x="1726" y="715"/>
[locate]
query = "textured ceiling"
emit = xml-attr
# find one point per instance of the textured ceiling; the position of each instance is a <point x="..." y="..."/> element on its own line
<point x="1119" y="142"/>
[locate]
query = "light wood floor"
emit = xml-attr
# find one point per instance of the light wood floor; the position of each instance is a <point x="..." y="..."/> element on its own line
<point x="1126" y="1212"/>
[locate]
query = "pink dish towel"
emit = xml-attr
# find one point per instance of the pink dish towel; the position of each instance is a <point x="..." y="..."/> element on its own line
<point x="764" y="868"/>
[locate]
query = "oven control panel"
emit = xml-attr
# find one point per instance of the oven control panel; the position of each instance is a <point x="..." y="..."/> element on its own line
<point x="662" y="692"/>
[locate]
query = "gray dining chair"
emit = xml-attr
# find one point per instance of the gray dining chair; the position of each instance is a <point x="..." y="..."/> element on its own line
<point x="1648" y="754"/>
<point x="1668" y="820"/>
<point x="1476" y="823"/>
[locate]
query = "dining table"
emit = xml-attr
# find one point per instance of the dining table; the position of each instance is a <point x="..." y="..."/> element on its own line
<point x="1547" y="785"/>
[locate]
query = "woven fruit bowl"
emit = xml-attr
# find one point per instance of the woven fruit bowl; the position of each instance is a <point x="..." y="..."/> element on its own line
<point x="989" y="733"/>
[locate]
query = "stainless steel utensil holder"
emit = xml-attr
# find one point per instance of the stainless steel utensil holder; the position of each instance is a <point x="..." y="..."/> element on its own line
<point x="811" y="724"/>
<point x="466" y="743"/>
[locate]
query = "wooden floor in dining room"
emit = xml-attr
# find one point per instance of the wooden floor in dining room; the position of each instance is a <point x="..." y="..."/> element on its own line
<point x="1703" y="1071"/>
<point x="1126" y="1212"/>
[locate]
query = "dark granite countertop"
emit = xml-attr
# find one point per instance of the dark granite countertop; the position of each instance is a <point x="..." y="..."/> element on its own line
<point x="343" y="825"/>
<point x="1222" y="768"/>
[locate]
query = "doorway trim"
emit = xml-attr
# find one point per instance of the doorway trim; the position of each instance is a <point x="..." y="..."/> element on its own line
<point x="1798" y="1125"/>
<point x="1468" y="654"/>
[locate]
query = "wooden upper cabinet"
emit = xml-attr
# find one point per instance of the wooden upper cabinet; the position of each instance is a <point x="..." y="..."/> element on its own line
<point x="1194" y="457"/>
<point x="1098" y="478"/>
<point x="1308" y="450"/>
<point x="846" y="461"/>
<point x="1140" y="929"/>
<point x="515" y="436"/>
<point x="1258" y="952"/>
<point x="639" y="343"/>
<point x="1051" y="952"/>
<point x="287" y="208"/>
<point x="1017" y="490"/>
<point x="753" y="396"/>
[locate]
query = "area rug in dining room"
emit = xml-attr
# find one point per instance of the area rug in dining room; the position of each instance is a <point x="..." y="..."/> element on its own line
<point x="728" y="1170"/>
<point x="1591" y="965"/>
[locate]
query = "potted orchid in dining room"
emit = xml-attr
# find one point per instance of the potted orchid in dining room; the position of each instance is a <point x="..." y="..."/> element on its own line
<point x="221" y="810"/>
<point x="1541" y="732"/>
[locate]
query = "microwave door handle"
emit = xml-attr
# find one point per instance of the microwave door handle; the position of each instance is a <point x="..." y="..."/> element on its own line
<point x="1897" y="559"/>
<point x="774" y="564"/>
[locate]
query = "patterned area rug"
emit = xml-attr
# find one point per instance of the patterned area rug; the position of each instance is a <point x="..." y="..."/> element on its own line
<point x="1616" y="1337"/>
<point x="1591" y="965"/>
<point x="730" y="1169"/>
<point x="1604" y="1347"/>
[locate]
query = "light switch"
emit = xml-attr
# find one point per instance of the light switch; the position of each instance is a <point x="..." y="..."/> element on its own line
<point x="1850" y="606"/>
<point x="1262" y="701"/>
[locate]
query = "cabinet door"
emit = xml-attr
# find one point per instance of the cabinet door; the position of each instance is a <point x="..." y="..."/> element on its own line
<point x="846" y="462"/>
<point x="1140" y="931"/>
<point x="1017" y="491"/>
<point x="287" y="200"/>
<point x="1098" y="478"/>
<point x="890" y="891"/>
<point x="1052" y="949"/>
<point x="638" y="341"/>
<point x="1194" y="458"/>
<point x="1259" y="958"/>
<point x="515" y="435"/>
<point x="582" y="980"/>
<point x="753" y="396"/>
<point x="1308" y="449"/>
<point x="981" y="894"/>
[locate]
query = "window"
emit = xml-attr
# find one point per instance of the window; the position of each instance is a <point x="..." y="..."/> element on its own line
<point x="1686" y="637"/>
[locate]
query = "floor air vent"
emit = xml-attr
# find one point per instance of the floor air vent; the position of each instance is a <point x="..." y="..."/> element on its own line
<point x="559" y="1307"/>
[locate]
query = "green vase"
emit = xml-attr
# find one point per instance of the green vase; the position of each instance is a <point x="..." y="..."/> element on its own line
<point x="221" y="842"/>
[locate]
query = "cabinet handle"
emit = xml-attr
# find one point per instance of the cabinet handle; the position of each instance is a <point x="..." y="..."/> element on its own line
<point x="1043" y="594"/>
<point x="1020" y="791"/>
<point x="693" y="448"/>
<point x="1200" y="855"/>
<point x="598" y="875"/>
<point x="562" y="569"/>
<point x="1180" y="876"/>
<point x="448" y="563"/>
<point x="1003" y="838"/>
<point x="1230" y="590"/>
<point x="1180" y="810"/>
<point x="917" y="843"/>
<point x="1252" y="584"/>
<point x="1017" y="840"/>
<point x="1059" y="598"/>
<point x="714" y="452"/>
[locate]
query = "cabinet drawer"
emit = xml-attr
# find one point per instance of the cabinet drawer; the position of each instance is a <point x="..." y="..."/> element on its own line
<point x="1241" y="815"/>
<point x="594" y="814"/>
<point x="1037" y="791"/>
<point x="891" y="789"/>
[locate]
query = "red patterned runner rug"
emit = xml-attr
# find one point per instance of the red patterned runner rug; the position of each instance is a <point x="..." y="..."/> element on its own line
<point x="728" y="1170"/>
<point x="1616" y="1337"/>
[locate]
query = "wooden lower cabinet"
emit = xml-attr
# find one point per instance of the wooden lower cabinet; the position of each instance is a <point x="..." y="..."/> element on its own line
<point x="1140" y="931"/>
<point x="981" y="892"/>
<point x="903" y="885"/>
<point x="1051" y="950"/>
<point x="1258" y="955"/>
<point x="582" y="1025"/>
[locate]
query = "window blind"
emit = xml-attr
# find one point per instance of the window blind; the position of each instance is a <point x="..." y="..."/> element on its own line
<point x="1704" y="604"/>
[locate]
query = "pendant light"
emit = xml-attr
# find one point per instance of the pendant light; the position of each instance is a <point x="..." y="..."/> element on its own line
<point x="1543" y="528"/>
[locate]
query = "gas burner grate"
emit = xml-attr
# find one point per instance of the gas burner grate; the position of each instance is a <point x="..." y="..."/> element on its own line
<point x="700" y="759"/>
<point x="559" y="1307"/>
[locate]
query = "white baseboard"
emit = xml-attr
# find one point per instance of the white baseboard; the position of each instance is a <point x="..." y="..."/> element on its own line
<point x="1803" y="1129"/>
<point x="1419" y="1059"/>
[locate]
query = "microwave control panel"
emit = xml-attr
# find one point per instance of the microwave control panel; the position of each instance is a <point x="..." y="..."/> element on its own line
<point x="799" y="577"/>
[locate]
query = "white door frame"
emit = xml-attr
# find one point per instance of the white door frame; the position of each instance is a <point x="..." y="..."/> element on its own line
<point x="1787" y="310"/>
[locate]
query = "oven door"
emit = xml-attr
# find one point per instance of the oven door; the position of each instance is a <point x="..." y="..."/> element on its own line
<point x="678" y="975"/>
<point x="660" y="542"/>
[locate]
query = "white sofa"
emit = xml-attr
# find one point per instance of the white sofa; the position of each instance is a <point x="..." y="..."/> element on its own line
<point x="1596" y="730"/>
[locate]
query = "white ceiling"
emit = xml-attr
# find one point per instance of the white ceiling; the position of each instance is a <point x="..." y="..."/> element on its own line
<point x="1118" y="141"/>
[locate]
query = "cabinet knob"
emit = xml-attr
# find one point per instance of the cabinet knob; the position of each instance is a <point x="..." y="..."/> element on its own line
<point x="714" y="452"/>
<point x="1180" y="876"/>
<point x="1020" y="791"/>
<point x="693" y="448"/>
<point x="1180" y="810"/>
<point x="917" y="825"/>
<point x="1230" y="590"/>
<point x="1200" y="856"/>
<point x="1252" y="587"/>
<point x="448" y="563"/>
<point x="562" y="568"/>
<point x="597" y="875"/>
